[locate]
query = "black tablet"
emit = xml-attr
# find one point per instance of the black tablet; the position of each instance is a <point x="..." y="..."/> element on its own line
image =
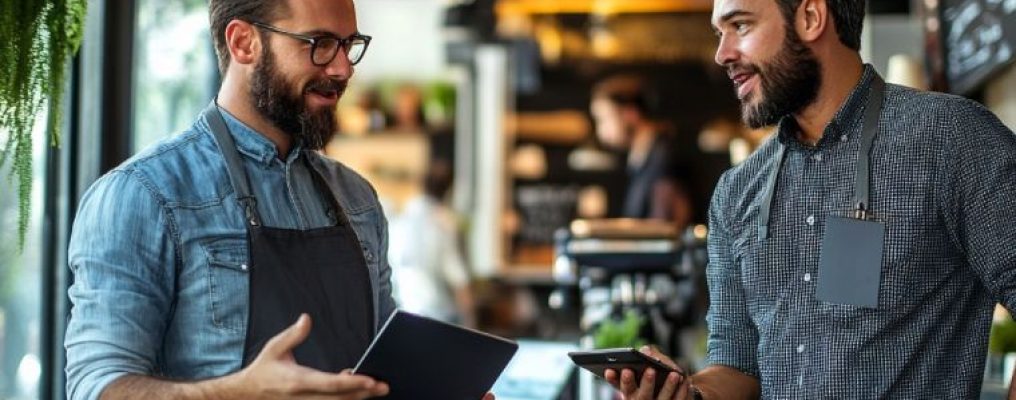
<point x="422" y="358"/>
<point x="598" y="361"/>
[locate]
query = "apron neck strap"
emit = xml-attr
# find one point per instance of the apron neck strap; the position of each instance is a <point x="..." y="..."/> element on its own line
<point x="335" y="211"/>
<point x="237" y="175"/>
<point x="862" y="174"/>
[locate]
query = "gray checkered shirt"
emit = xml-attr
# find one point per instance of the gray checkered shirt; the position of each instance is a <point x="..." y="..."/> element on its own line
<point x="943" y="180"/>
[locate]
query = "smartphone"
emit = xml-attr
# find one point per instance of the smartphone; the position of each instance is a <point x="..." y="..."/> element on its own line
<point x="599" y="361"/>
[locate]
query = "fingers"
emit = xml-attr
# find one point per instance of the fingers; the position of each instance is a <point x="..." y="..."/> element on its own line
<point x="283" y="343"/>
<point x="647" y="385"/>
<point x="361" y="395"/>
<point x="671" y="387"/>
<point x="683" y="391"/>
<point x="632" y="388"/>
<point x="313" y="381"/>
<point x="627" y="384"/>
<point x="612" y="378"/>
<point x="653" y="352"/>
<point x="488" y="396"/>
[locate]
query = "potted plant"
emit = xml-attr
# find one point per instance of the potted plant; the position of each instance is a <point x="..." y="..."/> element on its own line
<point x="39" y="38"/>
<point x="625" y="332"/>
<point x="615" y="332"/>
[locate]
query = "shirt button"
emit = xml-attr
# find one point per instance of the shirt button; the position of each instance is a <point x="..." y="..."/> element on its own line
<point x="844" y="138"/>
<point x="818" y="157"/>
<point x="800" y="348"/>
<point x="243" y="267"/>
<point x="810" y="220"/>
<point x="807" y="277"/>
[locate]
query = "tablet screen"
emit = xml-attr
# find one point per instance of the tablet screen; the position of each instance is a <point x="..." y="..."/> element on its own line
<point x="422" y="358"/>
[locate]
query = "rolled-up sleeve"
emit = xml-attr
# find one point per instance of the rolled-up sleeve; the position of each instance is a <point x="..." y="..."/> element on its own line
<point x="121" y="255"/>
<point x="733" y="338"/>
<point x="385" y="296"/>
<point x="978" y="195"/>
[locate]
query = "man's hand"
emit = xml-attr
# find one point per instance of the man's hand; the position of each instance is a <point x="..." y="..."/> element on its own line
<point x="274" y="374"/>
<point x="676" y="386"/>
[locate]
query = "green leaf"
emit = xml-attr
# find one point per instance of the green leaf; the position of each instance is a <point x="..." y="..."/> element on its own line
<point x="39" y="37"/>
<point x="614" y="333"/>
<point x="1003" y="337"/>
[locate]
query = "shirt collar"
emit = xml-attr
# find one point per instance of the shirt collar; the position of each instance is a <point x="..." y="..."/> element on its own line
<point x="253" y="144"/>
<point x="846" y="122"/>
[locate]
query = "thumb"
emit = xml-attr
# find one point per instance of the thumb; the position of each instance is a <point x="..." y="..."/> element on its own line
<point x="283" y="343"/>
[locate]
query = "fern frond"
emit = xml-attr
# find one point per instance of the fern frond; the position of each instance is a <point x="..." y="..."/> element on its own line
<point x="40" y="37"/>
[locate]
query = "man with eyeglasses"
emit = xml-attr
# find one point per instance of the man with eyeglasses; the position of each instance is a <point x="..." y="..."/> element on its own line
<point x="200" y="263"/>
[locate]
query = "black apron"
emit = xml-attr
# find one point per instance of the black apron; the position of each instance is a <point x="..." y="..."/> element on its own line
<point x="321" y="272"/>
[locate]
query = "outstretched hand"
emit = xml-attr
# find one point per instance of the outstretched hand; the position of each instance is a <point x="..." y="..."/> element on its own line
<point x="675" y="387"/>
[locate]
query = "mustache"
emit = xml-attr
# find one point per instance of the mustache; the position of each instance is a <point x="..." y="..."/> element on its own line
<point x="327" y="85"/>
<point x="742" y="68"/>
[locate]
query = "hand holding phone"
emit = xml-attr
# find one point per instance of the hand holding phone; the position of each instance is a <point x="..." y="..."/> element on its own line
<point x="599" y="361"/>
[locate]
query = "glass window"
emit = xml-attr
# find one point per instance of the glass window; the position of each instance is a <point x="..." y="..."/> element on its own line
<point x="21" y="279"/>
<point x="175" y="71"/>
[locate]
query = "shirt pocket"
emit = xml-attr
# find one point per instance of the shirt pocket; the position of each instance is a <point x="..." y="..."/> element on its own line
<point x="758" y="262"/>
<point x="228" y="282"/>
<point x="365" y="224"/>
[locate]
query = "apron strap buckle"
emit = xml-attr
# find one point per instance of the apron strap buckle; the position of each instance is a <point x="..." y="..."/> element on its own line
<point x="250" y="210"/>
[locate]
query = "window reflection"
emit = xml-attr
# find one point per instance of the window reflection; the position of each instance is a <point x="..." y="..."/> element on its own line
<point x="21" y="280"/>
<point x="174" y="68"/>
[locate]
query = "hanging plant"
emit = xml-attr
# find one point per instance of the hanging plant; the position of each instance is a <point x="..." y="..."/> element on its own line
<point x="39" y="37"/>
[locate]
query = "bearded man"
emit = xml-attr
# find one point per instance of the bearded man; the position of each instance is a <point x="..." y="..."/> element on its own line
<point x="858" y="253"/>
<point x="200" y="263"/>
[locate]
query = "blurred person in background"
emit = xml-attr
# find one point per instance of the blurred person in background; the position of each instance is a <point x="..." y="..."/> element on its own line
<point x="429" y="275"/>
<point x="624" y="110"/>
<point x="407" y="110"/>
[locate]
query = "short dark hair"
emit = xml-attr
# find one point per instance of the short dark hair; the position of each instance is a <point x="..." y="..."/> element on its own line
<point x="628" y="90"/>
<point x="848" y="16"/>
<point x="222" y="12"/>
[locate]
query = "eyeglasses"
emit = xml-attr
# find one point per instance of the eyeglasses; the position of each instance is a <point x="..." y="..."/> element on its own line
<point x="324" y="48"/>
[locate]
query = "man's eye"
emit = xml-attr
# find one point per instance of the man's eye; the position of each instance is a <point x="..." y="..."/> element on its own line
<point x="740" y="27"/>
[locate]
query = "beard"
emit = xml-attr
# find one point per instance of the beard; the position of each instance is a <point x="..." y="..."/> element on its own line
<point x="788" y="83"/>
<point x="273" y="96"/>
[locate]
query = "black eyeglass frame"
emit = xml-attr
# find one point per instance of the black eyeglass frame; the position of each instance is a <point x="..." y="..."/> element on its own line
<point x="344" y="43"/>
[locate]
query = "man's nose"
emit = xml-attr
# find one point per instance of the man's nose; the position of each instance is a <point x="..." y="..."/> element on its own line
<point x="340" y="67"/>
<point x="726" y="52"/>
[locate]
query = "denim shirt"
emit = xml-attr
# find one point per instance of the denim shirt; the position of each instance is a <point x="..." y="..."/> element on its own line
<point x="159" y="255"/>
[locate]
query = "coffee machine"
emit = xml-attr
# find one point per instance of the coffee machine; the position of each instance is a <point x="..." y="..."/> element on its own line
<point x="609" y="269"/>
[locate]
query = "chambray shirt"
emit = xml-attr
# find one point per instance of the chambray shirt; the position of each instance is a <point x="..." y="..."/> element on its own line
<point x="159" y="253"/>
<point x="943" y="180"/>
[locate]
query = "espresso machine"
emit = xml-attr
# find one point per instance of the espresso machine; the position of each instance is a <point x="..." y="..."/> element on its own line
<point x="612" y="268"/>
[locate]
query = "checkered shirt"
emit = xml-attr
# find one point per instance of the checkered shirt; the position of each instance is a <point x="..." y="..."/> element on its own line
<point x="943" y="180"/>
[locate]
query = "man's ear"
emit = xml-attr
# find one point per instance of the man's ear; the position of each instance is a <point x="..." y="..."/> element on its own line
<point x="243" y="41"/>
<point x="811" y="20"/>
